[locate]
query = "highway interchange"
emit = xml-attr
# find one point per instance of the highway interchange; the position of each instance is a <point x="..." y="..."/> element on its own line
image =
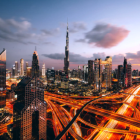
<point x="120" y="124"/>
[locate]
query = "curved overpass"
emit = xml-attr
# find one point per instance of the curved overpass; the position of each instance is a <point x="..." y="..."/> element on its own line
<point x="75" y="117"/>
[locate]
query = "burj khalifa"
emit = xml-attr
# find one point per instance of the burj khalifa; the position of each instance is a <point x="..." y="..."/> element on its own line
<point x="66" y="59"/>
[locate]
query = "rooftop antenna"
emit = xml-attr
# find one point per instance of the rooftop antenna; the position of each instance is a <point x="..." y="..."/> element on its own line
<point x="35" y="48"/>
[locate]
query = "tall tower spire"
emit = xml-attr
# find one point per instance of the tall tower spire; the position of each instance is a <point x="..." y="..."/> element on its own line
<point x="66" y="59"/>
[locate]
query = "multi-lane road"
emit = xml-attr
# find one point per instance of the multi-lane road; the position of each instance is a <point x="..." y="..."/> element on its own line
<point x="122" y="122"/>
<point x="115" y="125"/>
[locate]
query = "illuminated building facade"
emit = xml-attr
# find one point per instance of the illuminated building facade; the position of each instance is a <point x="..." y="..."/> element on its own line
<point x="120" y="75"/>
<point x="129" y="74"/>
<point x="16" y="68"/>
<point x="98" y="74"/>
<point x="43" y="70"/>
<point x="85" y="72"/>
<point x="80" y="73"/>
<point x="29" y="110"/>
<point x="13" y="71"/>
<point x="90" y="72"/>
<point x="108" y="72"/>
<point x="50" y="76"/>
<point x="135" y="73"/>
<point x="66" y="59"/>
<point x="2" y="78"/>
<point x="125" y="80"/>
<point x="29" y="71"/>
<point x="21" y="67"/>
<point x="64" y="81"/>
<point x="26" y="67"/>
<point x="35" y="64"/>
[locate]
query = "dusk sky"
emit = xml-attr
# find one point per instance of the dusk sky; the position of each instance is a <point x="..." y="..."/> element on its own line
<point x="97" y="28"/>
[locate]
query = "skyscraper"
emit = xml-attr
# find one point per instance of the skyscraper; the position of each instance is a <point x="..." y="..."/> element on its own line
<point x="90" y="72"/>
<point x="85" y="72"/>
<point x="66" y="59"/>
<point x="108" y="72"/>
<point x="129" y="74"/>
<point x="29" y="72"/>
<point x="26" y="65"/>
<point x="50" y="76"/>
<point x="2" y="78"/>
<point x="98" y="74"/>
<point x="35" y="64"/>
<point x="16" y="68"/>
<point x="13" y="71"/>
<point x="21" y="67"/>
<point x="120" y="75"/>
<point x="43" y="70"/>
<point x="125" y="80"/>
<point x="29" y="111"/>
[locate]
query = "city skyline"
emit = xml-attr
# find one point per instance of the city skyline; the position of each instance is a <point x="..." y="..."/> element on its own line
<point x="87" y="34"/>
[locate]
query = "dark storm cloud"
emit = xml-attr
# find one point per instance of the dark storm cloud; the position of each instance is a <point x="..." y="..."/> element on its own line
<point x="106" y="35"/>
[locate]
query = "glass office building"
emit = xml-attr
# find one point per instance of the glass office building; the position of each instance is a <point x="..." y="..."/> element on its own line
<point x="2" y="78"/>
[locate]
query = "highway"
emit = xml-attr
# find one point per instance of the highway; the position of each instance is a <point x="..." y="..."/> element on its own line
<point x="113" y="123"/>
<point x="124" y="122"/>
<point x="102" y="112"/>
<point x="118" y="116"/>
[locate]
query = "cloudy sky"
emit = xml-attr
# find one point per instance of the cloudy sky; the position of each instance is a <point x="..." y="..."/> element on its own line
<point x="97" y="28"/>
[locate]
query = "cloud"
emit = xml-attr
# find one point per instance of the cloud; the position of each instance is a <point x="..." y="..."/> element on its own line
<point x="48" y="43"/>
<point x="133" y="55"/>
<point x="22" y="32"/>
<point x="75" y="58"/>
<point x="75" y="26"/>
<point x="99" y="55"/>
<point x="80" y="40"/>
<point x="59" y="56"/>
<point x="106" y="35"/>
<point x="50" y="32"/>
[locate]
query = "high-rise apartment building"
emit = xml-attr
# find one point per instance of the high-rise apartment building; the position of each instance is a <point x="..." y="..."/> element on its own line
<point x="80" y="73"/>
<point x="66" y="59"/>
<point x="16" y="68"/>
<point x="125" y="80"/>
<point x="90" y="72"/>
<point x="108" y="72"/>
<point x="35" y="64"/>
<point x="21" y="67"/>
<point x="120" y="75"/>
<point x="135" y="72"/>
<point x="129" y="74"/>
<point x="29" y="111"/>
<point x="26" y="65"/>
<point x="50" y="76"/>
<point x="85" y="72"/>
<point x="13" y="71"/>
<point x="29" y="72"/>
<point x="64" y="81"/>
<point x="98" y="74"/>
<point x="2" y="78"/>
<point x="43" y="70"/>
